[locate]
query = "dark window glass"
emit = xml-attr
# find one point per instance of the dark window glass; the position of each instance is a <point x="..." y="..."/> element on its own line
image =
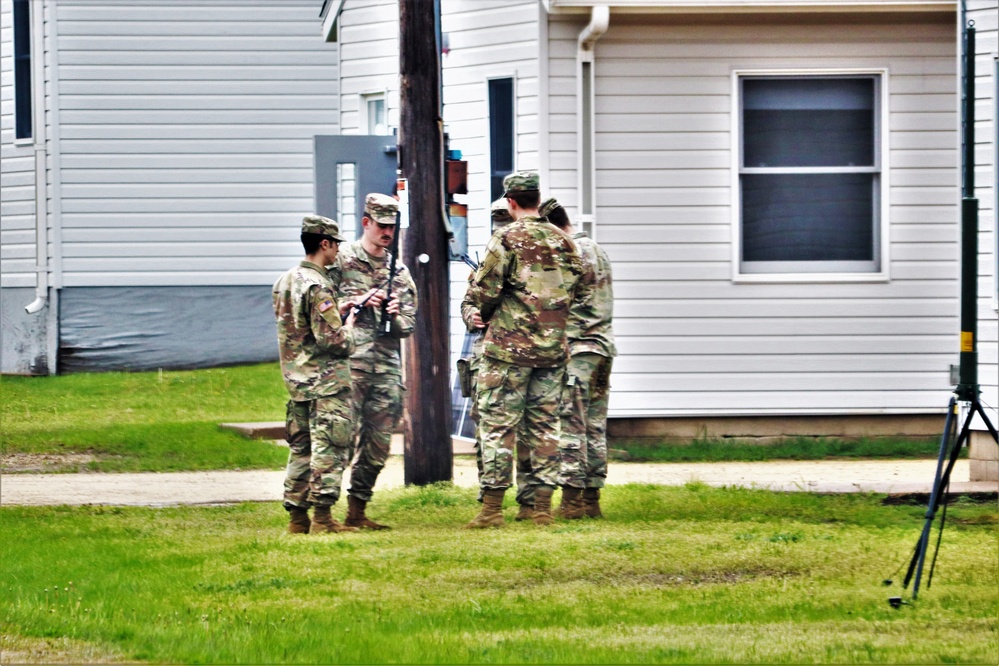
<point x="810" y="122"/>
<point x="807" y="217"/>
<point x="22" y="70"/>
<point x="500" y="134"/>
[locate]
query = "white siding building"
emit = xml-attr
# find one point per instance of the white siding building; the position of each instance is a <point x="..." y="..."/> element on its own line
<point x="758" y="286"/>
<point x="176" y="144"/>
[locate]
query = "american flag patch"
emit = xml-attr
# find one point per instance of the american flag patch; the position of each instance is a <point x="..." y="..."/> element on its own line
<point x="325" y="305"/>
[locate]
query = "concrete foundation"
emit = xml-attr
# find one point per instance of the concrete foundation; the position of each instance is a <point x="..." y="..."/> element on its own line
<point x="983" y="457"/>
<point x="765" y="428"/>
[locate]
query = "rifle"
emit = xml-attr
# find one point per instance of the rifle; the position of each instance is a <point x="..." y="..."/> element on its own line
<point x="471" y="263"/>
<point x="386" y="321"/>
<point x="357" y="307"/>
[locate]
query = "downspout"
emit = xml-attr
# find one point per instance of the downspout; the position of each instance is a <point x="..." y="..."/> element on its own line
<point x="38" y="136"/>
<point x="599" y="21"/>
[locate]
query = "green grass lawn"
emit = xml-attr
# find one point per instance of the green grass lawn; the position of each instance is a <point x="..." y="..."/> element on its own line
<point x="146" y="421"/>
<point x="674" y="575"/>
<point x="168" y="421"/>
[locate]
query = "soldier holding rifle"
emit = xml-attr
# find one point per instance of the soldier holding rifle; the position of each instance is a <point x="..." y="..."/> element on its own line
<point x="369" y="271"/>
<point x="314" y="347"/>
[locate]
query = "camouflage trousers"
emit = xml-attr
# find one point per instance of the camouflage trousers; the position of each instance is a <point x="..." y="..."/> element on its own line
<point x="517" y="403"/>
<point x="377" y="408"/>
<point x="525" y="480"/>
<point x="583" y="445"/>
<point x="319" y="436"/>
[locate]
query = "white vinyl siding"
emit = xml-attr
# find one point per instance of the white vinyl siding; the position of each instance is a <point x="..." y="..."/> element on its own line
<point x="17" y="175"/>
<point x="691" y="340"/>
<point x="186" y="138"/>
<point x="985" y="14"/>
<point x="369" y="61"/>
<point x="489" y="39"/>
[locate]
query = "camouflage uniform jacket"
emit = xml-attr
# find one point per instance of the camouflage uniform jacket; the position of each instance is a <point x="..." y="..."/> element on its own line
<point x="590" y="329"/>
<point x="469" y="308"/>
<point x="523" y="289"/>
<point x="313" y="344"/>
<point x="356" y="272"/>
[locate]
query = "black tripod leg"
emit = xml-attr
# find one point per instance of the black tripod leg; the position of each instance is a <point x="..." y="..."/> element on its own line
<point x="977" y="406"/>
<point x="942" y="483"/>
<point x="920" y="552"/>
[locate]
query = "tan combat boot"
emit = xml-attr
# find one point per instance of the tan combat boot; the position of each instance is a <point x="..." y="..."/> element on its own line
<point x="322" y="522"/>
<point x="571" y="507"/>
<point x="591" y="503"/>
<point x="543" y="506"/>
<point x="526" y="513"/>
<point x="356" y="517"/>
<point x="298" y="520"/>
<point x="491" y="514"/>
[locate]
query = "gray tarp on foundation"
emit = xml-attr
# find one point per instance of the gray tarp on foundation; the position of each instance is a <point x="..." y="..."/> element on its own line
<point x="145" y="328"/>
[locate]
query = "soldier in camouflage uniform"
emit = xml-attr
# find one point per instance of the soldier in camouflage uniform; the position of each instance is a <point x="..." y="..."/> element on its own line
<point x="522" y="289"/>
<point x="314" y="348"/>
<point x="362" y="270"/>
<point x="583" y="444"/>
<point x="500" y="217"/>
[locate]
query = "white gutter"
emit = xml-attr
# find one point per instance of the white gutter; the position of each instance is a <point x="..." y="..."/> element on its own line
<point x="599" y="21"/>
<point x="38" y="137"/>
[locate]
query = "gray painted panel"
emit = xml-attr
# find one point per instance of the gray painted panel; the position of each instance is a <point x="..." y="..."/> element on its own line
<point x="144" y="328"/>
<point x="22" y="336"/>
<point x="375" y="160"/>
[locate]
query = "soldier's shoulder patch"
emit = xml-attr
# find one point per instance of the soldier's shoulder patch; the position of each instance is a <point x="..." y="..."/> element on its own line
<point x="326" y="304"/>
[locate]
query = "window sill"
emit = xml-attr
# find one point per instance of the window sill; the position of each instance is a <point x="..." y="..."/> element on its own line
<point x="815" y="278"/>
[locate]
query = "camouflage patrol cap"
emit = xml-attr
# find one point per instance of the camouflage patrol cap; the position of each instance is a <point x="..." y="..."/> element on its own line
<point x="547" y="206"/>
<point x="500" y="214"/>
<point x="381" y="208"/>
<point x="324" y="226"/>
<point x="521" y="181"/>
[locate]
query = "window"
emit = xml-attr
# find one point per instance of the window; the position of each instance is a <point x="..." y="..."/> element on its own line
<point x="22" y="70"/>
<point x="809" y="174"/>
<point x="501" y="133"/>
<point x="375" y="116"/>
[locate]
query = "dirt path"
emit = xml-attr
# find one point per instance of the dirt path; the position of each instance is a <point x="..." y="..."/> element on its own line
<point x="163" y="489"/>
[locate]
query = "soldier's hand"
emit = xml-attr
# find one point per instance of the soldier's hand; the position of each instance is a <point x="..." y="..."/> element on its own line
<point x="477" y="320"/>
<point x="349" y="321"/>
<point x="376" y="297"/>
<point x="346" y="305"/>
<point x="393" y="306"/>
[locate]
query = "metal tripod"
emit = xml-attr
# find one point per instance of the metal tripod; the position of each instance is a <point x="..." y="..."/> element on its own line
<point x="968" y="390"/>
<point x="950" y="449"/>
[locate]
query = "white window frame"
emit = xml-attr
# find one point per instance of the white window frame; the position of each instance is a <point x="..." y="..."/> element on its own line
<point x="364" y="124"/>
<point x="881" y="207"/>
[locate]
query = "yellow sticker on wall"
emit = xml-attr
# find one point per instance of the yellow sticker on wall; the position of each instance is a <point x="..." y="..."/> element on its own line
<point x="967" y="341"/>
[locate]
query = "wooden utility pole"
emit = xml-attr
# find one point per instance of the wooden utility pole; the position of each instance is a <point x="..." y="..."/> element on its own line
<point x="429" y="453"/>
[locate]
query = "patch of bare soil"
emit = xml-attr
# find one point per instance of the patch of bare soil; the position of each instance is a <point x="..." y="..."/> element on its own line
<point x="34" y="463"/>
<point x="24" y="650"/>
